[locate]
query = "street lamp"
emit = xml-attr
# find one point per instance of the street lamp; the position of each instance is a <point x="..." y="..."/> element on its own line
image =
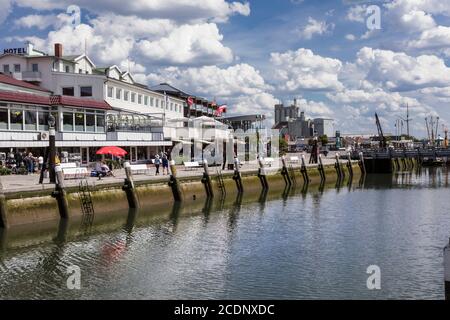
<point x="52" y="134"/>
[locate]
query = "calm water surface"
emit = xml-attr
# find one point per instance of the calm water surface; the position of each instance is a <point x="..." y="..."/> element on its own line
<point x="304" y="246"/>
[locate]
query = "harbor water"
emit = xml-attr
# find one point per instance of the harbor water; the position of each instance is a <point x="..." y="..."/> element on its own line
<point x="303" y="244"/>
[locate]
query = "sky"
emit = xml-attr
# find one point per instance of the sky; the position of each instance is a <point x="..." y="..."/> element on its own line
<point x="342" y="59"/>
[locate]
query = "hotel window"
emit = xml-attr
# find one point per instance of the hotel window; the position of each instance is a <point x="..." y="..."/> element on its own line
<point x="133" y="97"/>
<point x="43" y="121"/>
<point x="80" y="70"/>
<point x="6" y="68"/>
<point x="146" y="100"/>
<point x="171" y="106"/>
<point x="157" y="103"/>
<point x="67" y="121"/>
<point x="30" y="120"/>
<point x="118" y="94"/>
<point x="69" y="91"/>
<point x="67" y="69"/>
<point x="35" y="67"/>
<point x="86" y="91"/>
<point x="16" y="119"/>
<point x="100" y="123"/>
<point x="3" y="119"/>
<point x="140" y="99"/>
<point x="152" y="101"/>
<point x="125" y="95"/>
<point x="17" y="68"/>
<point x="110" y="92"/>
<point x="79" y="121"/>
<point x="90" y="122"/>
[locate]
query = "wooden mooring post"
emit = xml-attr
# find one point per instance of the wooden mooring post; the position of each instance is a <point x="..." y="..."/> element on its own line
<point x="60" y="193"/>
<point x="321" y="170"/>
<point x="129" y="188"/>
<point x="173" y="182"/>
<point x="262" y="175"/>
<point x="447" y="271"/>
<point x="206" y="180"/>
<point x="237" y="176"/>
<point x="361" y="163"/>
<point x="285" y="172"/>
<point x="350" y="165"/>
<point x="304" y="171"/>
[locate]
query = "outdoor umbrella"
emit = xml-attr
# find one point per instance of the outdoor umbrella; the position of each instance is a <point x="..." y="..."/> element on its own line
<point x="114" y="151"/>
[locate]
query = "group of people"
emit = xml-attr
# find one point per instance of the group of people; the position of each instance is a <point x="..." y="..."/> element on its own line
<point x="18" y="160"/>
<point x="162" y="160"/>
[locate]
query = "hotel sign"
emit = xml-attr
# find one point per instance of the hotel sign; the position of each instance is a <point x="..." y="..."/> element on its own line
<point x="15" y="51"/>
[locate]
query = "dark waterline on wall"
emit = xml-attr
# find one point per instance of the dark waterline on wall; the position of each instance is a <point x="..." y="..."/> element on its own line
<point x="309" y="245"/>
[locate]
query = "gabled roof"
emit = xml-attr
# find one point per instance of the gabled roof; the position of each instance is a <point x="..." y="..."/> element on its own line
<point x="19" y="83"/>
<point x="76" y="58"/>
<point x="127" y="73"/>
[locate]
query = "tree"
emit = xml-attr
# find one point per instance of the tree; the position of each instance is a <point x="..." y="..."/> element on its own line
<point x="284" y="147"/>
<point x="324" y="139"/>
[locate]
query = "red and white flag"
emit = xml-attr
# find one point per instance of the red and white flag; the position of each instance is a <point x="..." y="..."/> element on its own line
<point x="220" y="110"/>
<point x="190" y="101"/>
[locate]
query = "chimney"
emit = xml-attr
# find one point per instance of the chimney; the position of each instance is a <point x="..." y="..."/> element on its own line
<point x="58" y="50"/>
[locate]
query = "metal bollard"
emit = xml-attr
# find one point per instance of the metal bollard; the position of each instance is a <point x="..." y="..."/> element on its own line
<point x="262" y="175"/>
<point x="206" y="180"/>
<point x="447" y="271"/>
<point x="60" y="194"/>
<point x="129" y="188"/>
<point x="285" y="172"/>
<point x="237" y="176"/>
<point x="173" y="182"/>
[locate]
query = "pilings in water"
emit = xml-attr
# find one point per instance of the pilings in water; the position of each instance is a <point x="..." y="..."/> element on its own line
<point x="285" y="172"/>
<point x="340" y="173"/>
<point x="323" y="177"/>
<point x="129" y="188"/>
<point x="60" y="194"/>
<point x="206" y="180"/>
<point x="262" y="175"/>
<point x="447" y="271"/>
<point x="362" y="164"/>
<point x="304" y="171"/>
<point x="173" y="182"/>
<point x="237" y="176"/>
<point x="349" y="165"/>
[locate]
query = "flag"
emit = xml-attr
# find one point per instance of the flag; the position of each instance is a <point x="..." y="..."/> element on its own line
<point x="190" y="101"/>
<point x="221" y="109"/>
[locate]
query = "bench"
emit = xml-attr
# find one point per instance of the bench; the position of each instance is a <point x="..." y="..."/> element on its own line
<point x="139" y="169"/>
<point x="68" y="165"/>
<point x="294" y="160"/>
<point x="269" y="161"/>
<point x="75" y="173"/>
<point x="192" y="165"/>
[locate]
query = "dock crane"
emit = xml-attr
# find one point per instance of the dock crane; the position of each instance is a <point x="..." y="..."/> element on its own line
<point x="383" y="141"/>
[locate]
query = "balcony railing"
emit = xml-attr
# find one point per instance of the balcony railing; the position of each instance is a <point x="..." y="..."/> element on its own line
<point x="32" y="76"/>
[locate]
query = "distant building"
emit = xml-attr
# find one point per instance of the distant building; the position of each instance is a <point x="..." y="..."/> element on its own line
<point x="293" y="124"/>
<point x="324" y="127"/>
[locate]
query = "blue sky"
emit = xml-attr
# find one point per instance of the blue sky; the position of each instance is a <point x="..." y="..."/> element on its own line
<point x="253" y="54"/>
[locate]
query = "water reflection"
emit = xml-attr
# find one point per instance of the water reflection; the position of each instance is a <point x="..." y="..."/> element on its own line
<point x="317" y="248"/>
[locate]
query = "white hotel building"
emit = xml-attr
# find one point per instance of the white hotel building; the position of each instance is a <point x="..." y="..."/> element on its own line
<point x="94" y="107"/>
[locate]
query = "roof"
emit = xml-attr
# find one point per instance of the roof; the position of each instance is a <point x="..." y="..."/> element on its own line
<point x="53" y="100"/>
<point x="79" y="102"/>
<point x="19" y="83"/>
<point x="165" y="87"/>
<point x="24" y="98"/>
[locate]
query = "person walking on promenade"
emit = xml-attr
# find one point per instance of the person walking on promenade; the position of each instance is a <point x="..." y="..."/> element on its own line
<point x="40" y="163"/>
<point x="165" y="163"/>
<point x="157" y="164"/>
